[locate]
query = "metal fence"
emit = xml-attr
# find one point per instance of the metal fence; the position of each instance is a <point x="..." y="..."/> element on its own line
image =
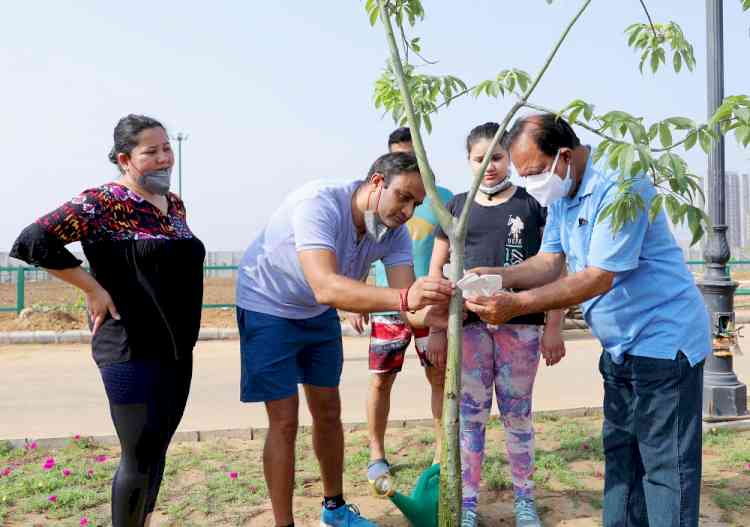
<point x="21" y="273"/>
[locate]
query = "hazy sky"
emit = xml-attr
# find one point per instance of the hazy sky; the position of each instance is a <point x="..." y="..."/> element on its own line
<point x="274" y="94"/>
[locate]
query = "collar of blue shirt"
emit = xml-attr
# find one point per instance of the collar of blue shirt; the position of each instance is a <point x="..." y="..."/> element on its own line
<point x="587" y="184"/>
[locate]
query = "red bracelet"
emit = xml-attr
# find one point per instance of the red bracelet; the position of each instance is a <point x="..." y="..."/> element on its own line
<point x="404" y="296"/>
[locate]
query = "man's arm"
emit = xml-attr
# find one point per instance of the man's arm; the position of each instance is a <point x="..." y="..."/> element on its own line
<point x="335" y="290"/>
<point x="540" y="269"/>
<point x="562" y="293"/>
<point x="402" y="277"/>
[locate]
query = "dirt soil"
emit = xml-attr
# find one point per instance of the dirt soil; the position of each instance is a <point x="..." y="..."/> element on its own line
<point x="59" y="307"/>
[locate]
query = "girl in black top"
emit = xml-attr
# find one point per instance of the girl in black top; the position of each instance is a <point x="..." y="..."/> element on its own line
<point x="505" y="228"/>
<point x="144" y="296"/>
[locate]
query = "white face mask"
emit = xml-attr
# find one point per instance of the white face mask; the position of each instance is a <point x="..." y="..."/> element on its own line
<point x="495" y="189"/>
<point x="547" y="187"/>
<point x="374" y="227"/>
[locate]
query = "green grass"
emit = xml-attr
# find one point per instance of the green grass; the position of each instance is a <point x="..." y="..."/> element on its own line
<point x="198" y="490"/>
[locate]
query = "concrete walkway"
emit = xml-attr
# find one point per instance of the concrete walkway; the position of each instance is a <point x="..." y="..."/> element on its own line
<point x="55" y="390"/>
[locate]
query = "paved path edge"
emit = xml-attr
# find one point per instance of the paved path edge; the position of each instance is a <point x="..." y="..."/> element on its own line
<point x="84" y="336"/>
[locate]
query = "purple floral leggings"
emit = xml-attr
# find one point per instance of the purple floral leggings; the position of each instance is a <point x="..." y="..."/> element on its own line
<point x="507" y="357"/>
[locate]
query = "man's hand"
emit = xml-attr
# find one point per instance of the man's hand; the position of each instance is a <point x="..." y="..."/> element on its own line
<point x="485" y="270"/>
<point x="553" y="345"/>
<point x="428" y="291"/>
<point x="437" y="349"/>
<point x="496" y="309"/>
<point x="358" y="321"/>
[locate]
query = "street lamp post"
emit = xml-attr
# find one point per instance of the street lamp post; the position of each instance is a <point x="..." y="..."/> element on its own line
<point x="180" y="137"/>
<point x="724" y="396"/>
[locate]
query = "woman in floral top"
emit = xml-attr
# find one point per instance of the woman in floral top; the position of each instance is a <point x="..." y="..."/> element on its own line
<point x="144" y="295"/>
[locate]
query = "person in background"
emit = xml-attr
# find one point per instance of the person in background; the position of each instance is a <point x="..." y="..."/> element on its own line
<point x="640" y="301"/>
<point x="505" y="228"/>
<point x="390" y="334"/>
<point x="309" y="261"/>
<point x="144" y="294"/>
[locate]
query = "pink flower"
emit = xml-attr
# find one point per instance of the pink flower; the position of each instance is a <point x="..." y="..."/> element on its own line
<point x="31" y="446"/>
<point x="84" y="521"/>
<point x="90" y="473"/>
<point x="233" y="475"/>
<point x="747" y="467"/>
<point x="6" y="471"/>
<point x="66" y="472"/>
<point x="52" y="498"/>
<point x="253" y="489"/>
<point x="77" y="437"/>
<point x="49" y="464"/>
<point x="585" y="446"/>
<point x="101" y="458"/>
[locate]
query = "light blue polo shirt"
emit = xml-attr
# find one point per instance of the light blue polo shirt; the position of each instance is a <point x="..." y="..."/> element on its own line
<point x="316" y="216"/>
<point x="654" y="308"/>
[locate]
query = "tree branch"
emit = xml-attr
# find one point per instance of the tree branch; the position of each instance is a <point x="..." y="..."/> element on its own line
<point x="428" y="176"/>
<point x="463" y="218"/>
<point x="602" y="134"/>
<point x="648" y="15"/>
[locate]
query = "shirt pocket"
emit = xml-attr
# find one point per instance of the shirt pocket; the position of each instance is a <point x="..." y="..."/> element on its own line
<point x="576" y="240"/>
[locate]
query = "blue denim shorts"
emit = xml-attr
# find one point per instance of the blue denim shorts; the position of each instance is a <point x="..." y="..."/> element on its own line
<point x="279" y="353"/>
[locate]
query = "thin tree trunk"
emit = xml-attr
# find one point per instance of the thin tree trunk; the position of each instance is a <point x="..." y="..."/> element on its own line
<point x="450" y="469"/>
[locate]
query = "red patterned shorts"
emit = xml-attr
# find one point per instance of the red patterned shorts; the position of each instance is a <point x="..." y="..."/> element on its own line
<point x="389" y="338"/>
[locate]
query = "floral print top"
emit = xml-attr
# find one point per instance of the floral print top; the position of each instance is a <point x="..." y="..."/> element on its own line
<point x="149" y="262"/>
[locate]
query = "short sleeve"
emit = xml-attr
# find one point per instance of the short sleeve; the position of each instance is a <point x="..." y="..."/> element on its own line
<point x="551" y="239"/>
<point x="399" y="250"/>
<point x="43" y="242"/>
<point x="451" y="205"/>
<point x="315" y="222"/>
<point x="620" y="251"/>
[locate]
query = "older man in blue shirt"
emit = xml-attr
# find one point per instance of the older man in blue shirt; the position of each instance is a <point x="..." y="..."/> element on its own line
<point x="639" y="300"/>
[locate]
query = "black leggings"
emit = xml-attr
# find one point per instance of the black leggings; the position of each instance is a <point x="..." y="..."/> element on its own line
<point x="146" y="401"/>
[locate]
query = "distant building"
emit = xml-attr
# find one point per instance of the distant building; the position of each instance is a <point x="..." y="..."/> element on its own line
<point x="745" y="209"/>
<point x="734" y="213"/>
<point x="737" y="198"/>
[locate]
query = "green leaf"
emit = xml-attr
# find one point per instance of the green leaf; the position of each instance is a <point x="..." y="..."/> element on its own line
<point x="636" y="30"/>
<point x="654" y="61"/>
<point x="691" y="139"/>
<point x="626" y="158"/>
<point x="644" y="56"/>
<point x="427" y="123"/>
<point x="665" y="136"/>
<point x="742" y="113"/>
<point x="695" y="224"/>
<point x="673" y="208"/>
<point x="656" y="205"/>
<point x="607" y="212"/>
<point x="706" y="141"/>
<point x="681" y="123"/>
<point x="742" y="134"/>
<point x="588" y="112"/>
<point x="573" y="115"/>
<point x="374" y="16"/>
<point x="745" y="5"/>
<point x="600" y="150"/>
<point x="677" y="61"/>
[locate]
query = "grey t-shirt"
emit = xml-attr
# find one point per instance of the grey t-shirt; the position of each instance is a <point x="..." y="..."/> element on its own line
<point x="316" y="216"/>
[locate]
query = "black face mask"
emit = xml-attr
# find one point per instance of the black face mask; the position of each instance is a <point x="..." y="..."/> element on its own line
<point x="156" y="181"/>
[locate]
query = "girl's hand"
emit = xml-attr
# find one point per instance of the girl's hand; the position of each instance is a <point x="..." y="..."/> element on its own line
<point x="553" y="345"/>
<point x="358" y="321"/>
<point x="437" y="349"/>
<point x="100" y="305"/>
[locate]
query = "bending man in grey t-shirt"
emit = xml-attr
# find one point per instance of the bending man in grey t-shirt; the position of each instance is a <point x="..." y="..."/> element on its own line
<point x="309" y="261"/>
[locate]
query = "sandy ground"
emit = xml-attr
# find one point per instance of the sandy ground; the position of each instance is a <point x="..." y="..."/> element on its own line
<point x="55" y="391"/>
